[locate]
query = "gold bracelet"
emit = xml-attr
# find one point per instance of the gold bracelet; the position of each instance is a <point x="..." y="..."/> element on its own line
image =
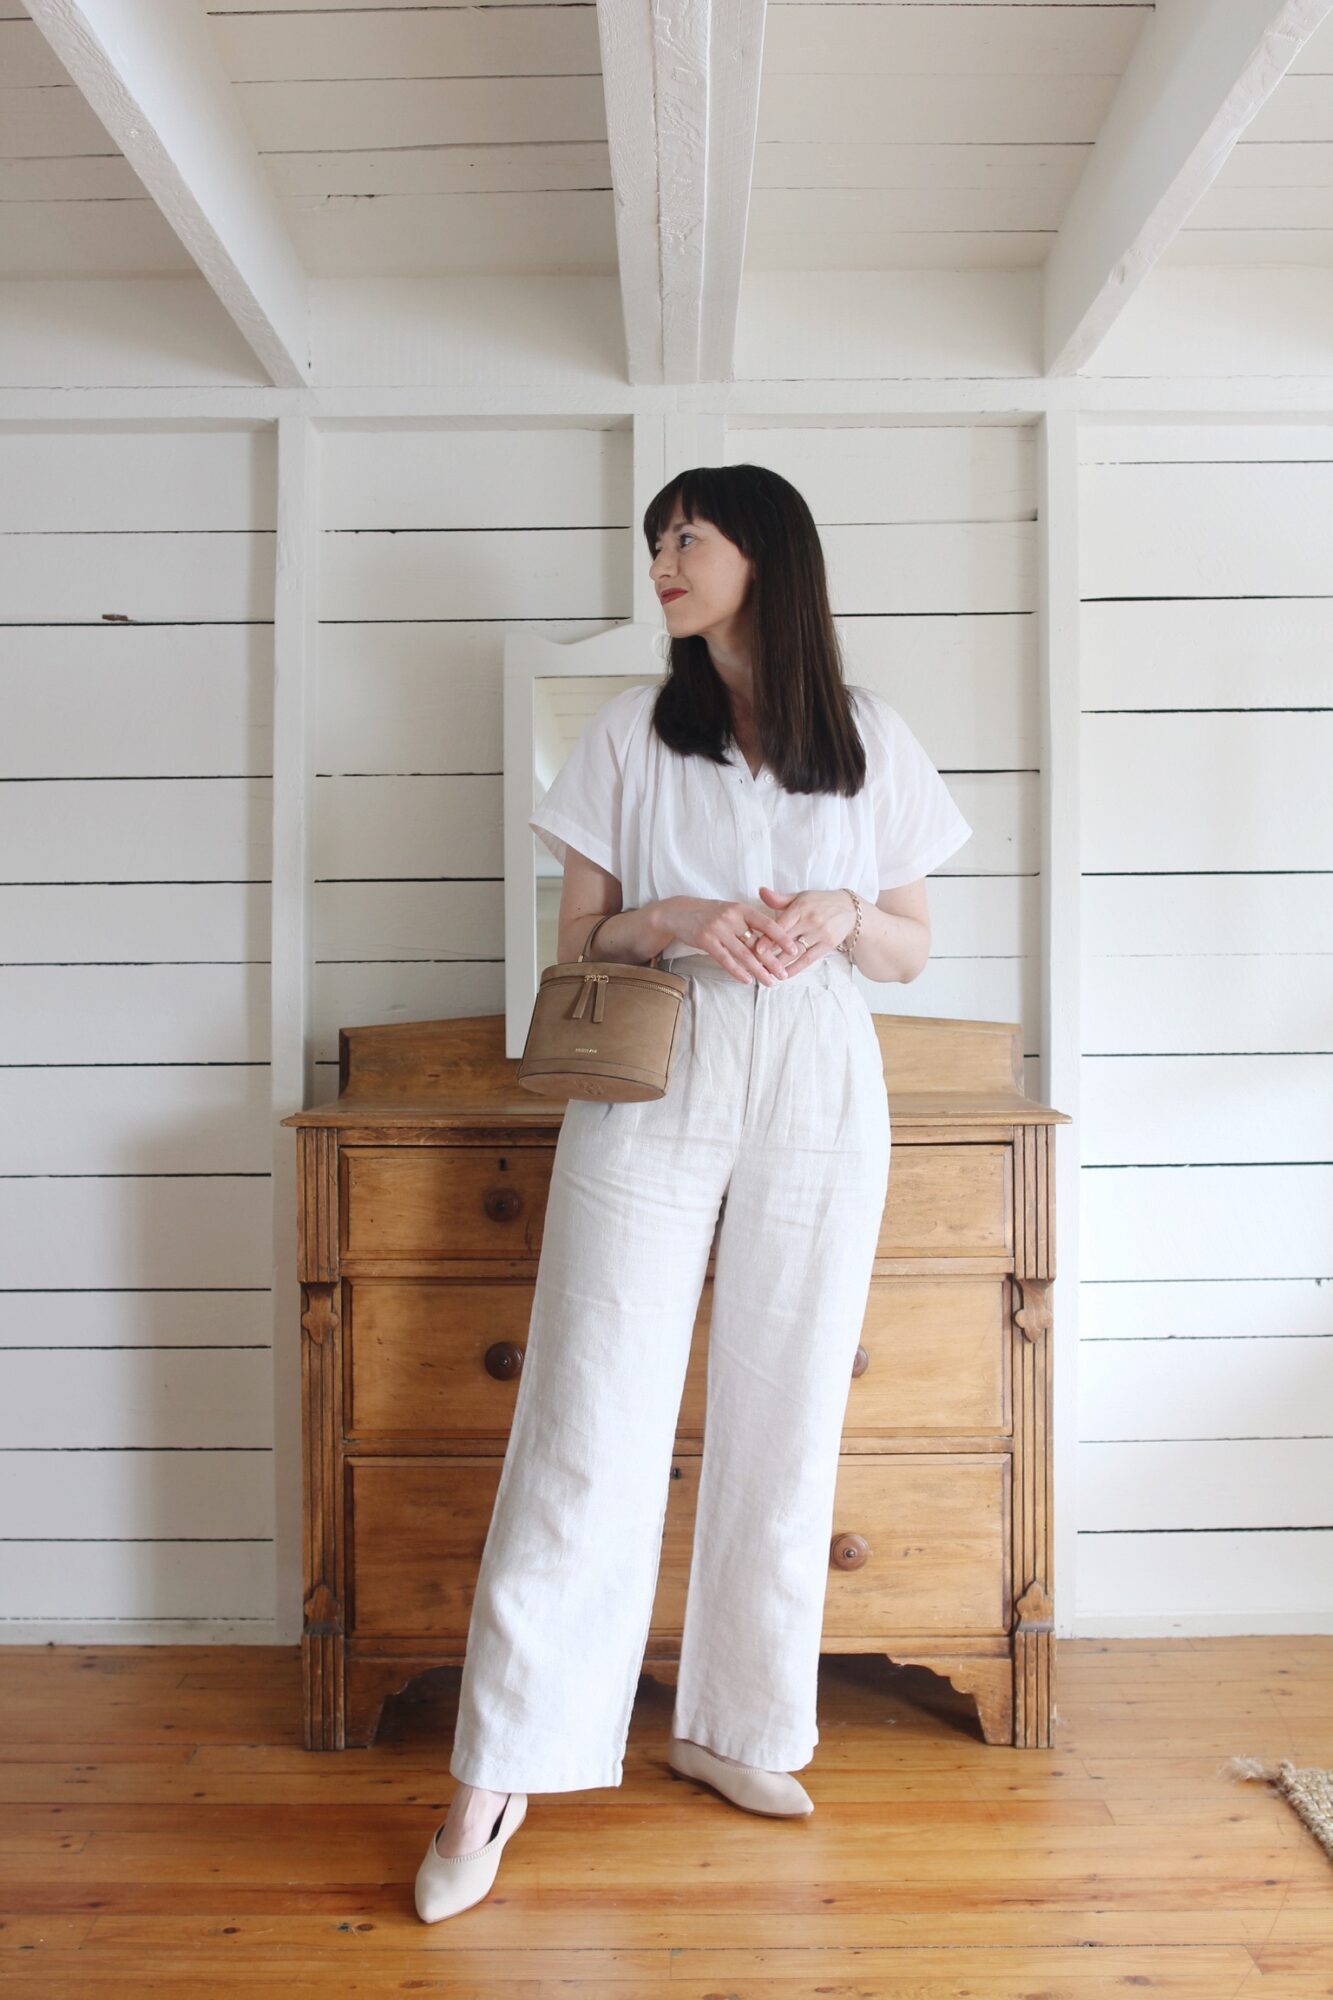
<point x="849" y="942"/>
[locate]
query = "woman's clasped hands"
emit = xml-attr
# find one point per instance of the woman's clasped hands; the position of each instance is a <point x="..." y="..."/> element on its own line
<point x="787" y="933"/>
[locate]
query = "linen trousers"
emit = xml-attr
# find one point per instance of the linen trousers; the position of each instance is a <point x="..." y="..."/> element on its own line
<point x="776" y="1114"/>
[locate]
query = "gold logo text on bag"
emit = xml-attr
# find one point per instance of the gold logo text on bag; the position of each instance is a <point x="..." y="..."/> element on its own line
<point x="637" y="1009"/>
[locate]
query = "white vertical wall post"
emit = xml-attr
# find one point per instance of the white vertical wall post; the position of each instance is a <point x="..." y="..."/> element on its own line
<point x="1061" y="707"/>
<point x="295" y="619"/>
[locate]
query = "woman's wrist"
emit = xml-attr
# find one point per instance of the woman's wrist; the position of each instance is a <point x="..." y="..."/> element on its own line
<point x="631" y="936"/>
<point x="848" y="944"/>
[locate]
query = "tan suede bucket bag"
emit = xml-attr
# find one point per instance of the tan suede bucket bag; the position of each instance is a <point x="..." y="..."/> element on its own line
<point x="603" y="1029"/>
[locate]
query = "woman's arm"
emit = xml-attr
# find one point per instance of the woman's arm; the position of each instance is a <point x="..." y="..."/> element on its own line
<point x="632" y="936"/>
<point x="895" y="934"/>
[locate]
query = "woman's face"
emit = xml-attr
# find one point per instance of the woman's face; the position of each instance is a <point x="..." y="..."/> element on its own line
<point x="709" y="572"/>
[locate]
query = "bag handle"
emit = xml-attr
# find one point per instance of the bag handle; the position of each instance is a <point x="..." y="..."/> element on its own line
<point x="654" y="960"/>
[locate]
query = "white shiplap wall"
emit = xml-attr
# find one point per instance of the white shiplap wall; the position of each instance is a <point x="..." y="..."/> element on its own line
<point x="136" y="581"/>
<point x="930" y="538"/>
<point x="1205" y="1359"/>
<point x="432" y="541"/>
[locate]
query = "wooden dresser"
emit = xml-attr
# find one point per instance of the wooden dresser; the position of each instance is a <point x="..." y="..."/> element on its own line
<point x="421" y="1197"/>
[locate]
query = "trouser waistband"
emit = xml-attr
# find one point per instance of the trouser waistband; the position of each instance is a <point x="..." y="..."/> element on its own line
<point x="703" y="964"/>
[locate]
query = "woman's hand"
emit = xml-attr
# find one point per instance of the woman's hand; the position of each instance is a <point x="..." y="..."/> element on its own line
<point x="822" y="917"/>
<point x="718" y="928"/>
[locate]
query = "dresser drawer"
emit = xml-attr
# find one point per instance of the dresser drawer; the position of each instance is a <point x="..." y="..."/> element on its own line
<point x="949" y="1201"/>
<point x="442" y="1358"/>
<point x="434" y="1357"/>
<point x="443" y="1201"/>
<point x="422" y="1202"/>
<point x="935" y="1526"/>
<point x="937" y="1360"/>
<point x="936" y="1529"/>
<point x="415" y="1532"/>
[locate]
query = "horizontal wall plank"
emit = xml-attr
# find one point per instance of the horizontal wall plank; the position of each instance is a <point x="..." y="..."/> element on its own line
<point x="1154" y="1006"/>
<point x="1224" y="652"/>
<point x="1210" y="1582"/>
<point x="77" y="697"/>
<point x="1206" y="791"/>
<point x="131" y="1318"/>
<point x="981" y="566"/>
<point x="141" y="1119"/>
<point x="553" y="476"/>
<point x="1143" y="1110"/>
<point x="154" y="579"/>
<point x="557" y="573"/>
<point x="432" y="922"/>
<point x="1268" y="1482"/>
<point x="1178" y="530"/>
<point x="82" y="923"/>
<point x="1201" y="442"/>
<point x="370" y="828"/>
<point x="119" y="1398"/>
<point x="137" y="1014"/>
<point x="137" y="829"/>
<point x="1203" y="1308"/>
<point x="1181" y="916"/>
<point x="1133" y="1390"/>
<point x="1206" y="1222"/>
<point x="124" y="479"/>
<point x="156" y="1231"/>
<point x="105" y="1495"/>
<point x="856" y="472"/>
<point x="124" y="1581"/>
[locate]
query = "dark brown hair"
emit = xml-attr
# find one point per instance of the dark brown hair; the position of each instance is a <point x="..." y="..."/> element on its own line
<point x="802" y="713"/>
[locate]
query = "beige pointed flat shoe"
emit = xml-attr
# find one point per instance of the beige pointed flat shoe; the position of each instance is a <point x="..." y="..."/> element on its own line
<point x="776" y="1793"/>
<point x="448" y="1883"/>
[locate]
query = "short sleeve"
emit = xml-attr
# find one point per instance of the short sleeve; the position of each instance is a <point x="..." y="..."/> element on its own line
<point x="917" y="823"/>
<point x="581" y="806"/>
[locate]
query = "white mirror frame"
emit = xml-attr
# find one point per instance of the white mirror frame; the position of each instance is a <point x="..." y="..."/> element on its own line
<point x="625" y="652"/>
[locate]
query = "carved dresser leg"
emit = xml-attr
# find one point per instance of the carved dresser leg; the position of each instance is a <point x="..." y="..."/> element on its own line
<point x="323" y="1646"/>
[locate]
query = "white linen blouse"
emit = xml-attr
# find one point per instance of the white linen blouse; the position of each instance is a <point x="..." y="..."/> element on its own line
<point x="670" y="825"/>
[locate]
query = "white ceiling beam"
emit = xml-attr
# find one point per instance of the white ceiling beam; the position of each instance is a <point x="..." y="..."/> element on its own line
<point x="681" y="80"/>
<point x="1200" y="71"/>
<point x="149" y="70"/>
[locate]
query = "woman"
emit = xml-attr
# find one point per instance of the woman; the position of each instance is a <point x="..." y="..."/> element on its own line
<point x="764" y="827"/>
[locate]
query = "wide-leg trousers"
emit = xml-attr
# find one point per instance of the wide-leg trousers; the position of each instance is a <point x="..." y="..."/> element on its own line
<point x="776" y="1114"/>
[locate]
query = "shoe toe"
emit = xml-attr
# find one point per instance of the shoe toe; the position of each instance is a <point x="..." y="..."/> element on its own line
<point x="446" y="1884"/>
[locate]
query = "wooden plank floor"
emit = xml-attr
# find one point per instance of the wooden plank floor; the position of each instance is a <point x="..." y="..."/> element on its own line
<point x="163" y="1833"/>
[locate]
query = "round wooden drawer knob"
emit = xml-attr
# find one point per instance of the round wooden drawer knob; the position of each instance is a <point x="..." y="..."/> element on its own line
<point x="862" y="1361"/>
<point x="502" y="1204"/>
<point x="504" y="1360"/>
<point x="849" y="1551"/>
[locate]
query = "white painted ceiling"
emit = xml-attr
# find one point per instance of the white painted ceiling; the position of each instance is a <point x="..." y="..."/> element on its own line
<point x="430" y="139"/>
